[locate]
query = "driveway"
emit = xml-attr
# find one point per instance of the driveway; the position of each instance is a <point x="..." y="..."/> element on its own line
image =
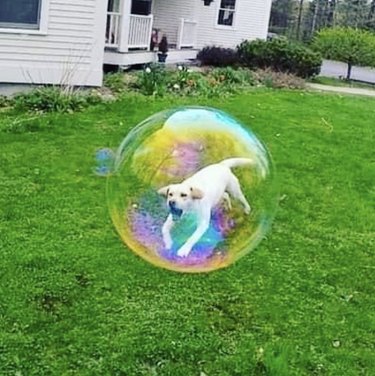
<point x="336" y="69"/>
<point x="342" y="90"/>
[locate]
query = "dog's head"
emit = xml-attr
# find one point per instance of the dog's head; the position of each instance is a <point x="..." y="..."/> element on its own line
<point x="180" y="197"/>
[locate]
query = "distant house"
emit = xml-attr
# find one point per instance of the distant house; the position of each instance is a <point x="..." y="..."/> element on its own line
<point x="68" y="41"/>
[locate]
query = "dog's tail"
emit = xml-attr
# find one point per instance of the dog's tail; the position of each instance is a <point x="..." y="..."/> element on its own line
<point x="236" y="162"/>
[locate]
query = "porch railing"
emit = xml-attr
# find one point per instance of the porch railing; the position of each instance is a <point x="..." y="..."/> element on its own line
<point x="187" y="33"/>
<point x="112" y="32"/>
<point x="140" y="29"/>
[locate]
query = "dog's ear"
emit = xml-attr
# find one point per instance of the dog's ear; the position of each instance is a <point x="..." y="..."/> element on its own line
<point x="164" y="191"/>
<point x="196" y="193"/>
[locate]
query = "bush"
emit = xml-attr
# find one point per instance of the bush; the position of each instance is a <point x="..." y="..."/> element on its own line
<point x="218" y="56"/>
<point x="187" y="82"/>
<point x="54" y="99"/>
<point x="280" y="55"/>
<point x="152" y="80"/>
<point x="157" y="80"/>
<point x="230" y="75"/>
<point x="114" y="81"/>
<point x="4" y="101"/>
<point x="279" y="80"/>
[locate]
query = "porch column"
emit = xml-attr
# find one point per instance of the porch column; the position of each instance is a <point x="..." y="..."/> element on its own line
<point x="180" y="33"/>
<point x="125" y="9"/>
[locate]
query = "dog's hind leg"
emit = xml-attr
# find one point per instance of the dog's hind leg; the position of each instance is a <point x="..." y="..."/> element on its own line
<point x="227" y="200"/>
<point x="234" y="189"/>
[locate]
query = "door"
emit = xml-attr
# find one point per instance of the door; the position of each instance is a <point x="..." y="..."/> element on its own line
<point x="141" y="7"/>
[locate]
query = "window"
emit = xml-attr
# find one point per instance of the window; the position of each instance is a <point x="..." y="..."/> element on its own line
<point x="226" y="12"/>
<point x="20" y="14"/>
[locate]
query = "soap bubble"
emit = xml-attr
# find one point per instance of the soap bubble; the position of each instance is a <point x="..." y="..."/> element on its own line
<point x="104" y="159"/>
<point x="170" y="147"/>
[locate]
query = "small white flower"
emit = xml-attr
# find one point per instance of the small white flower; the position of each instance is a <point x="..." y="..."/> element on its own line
<point x="180" y="68"/>
<point x="176" y="86"/>
<point x="148" y="70"/>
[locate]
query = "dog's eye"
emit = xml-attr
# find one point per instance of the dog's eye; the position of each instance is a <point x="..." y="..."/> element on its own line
<point x="183" y="195"/>
<point x="170" y="194"/>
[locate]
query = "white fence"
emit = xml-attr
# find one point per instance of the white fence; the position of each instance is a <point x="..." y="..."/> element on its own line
<point x="140" y="29"/>
<point x="187" y="34"/>
<point x="112" y="32"/>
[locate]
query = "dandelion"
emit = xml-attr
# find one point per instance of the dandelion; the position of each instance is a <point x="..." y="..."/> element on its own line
<point x="148" y="70"/>
<point x="180" y="67"/>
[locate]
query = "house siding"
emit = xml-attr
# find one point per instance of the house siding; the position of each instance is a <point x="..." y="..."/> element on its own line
<point x="251" y="22"/>
<point x="71" y="52"/>
<point x="167" y="15"/>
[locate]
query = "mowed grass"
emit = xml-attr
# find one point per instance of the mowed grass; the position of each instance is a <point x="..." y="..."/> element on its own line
<point x="75" y="301"/>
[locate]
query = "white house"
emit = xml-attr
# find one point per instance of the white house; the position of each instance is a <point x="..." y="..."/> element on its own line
<point x="68" y="41"/>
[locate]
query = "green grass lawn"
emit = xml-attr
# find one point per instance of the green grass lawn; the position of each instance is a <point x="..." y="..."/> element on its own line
<point x="75" y="301"/>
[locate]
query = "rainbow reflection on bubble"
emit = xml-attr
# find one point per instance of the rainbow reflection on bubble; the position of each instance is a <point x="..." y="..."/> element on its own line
<point x="104" y="161"/>
<point x="169" y="147"/>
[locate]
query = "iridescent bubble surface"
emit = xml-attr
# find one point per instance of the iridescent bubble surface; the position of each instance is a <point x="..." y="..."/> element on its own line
<point x="170" y="147"/>
<point x="104" y="159"/>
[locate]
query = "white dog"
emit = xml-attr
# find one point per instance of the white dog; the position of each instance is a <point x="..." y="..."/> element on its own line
<point x="200" y="194"/>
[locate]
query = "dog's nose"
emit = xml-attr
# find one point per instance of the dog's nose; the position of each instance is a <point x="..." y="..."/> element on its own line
<point x="172" y="203"/>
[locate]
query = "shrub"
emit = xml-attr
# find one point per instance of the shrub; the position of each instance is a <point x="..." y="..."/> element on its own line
<point x="115" y="82"/>
<point x="278" y="80"/>
<point x="152" y="80"/>
<point x="230" y="75"/>
<point x="218" y="56"/>
<point x="54" y="99"/>
<point x="182" y="78"/>
<point x="184" y="81"/>
<point x="281" y="55"/>
<point x="215" y="82"/>
<point x="4" y="101"/>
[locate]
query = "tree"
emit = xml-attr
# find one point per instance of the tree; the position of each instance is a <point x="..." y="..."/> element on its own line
<point x="354" y="13"/>
<point x="330" y="13"/>
<point x="372" y="9"/>
<point x="320" y="14"/>
<point x="349" y="45"/>
<point x="299" y="18"/>
<point x="371" y="16"/>
<point x="282" y="12"/>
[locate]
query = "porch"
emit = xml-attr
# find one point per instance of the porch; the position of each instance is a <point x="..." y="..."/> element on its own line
<point x="134" y="27"/>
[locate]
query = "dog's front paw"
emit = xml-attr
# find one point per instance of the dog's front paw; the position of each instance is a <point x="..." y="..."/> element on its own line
<point x="183" y="251"/>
